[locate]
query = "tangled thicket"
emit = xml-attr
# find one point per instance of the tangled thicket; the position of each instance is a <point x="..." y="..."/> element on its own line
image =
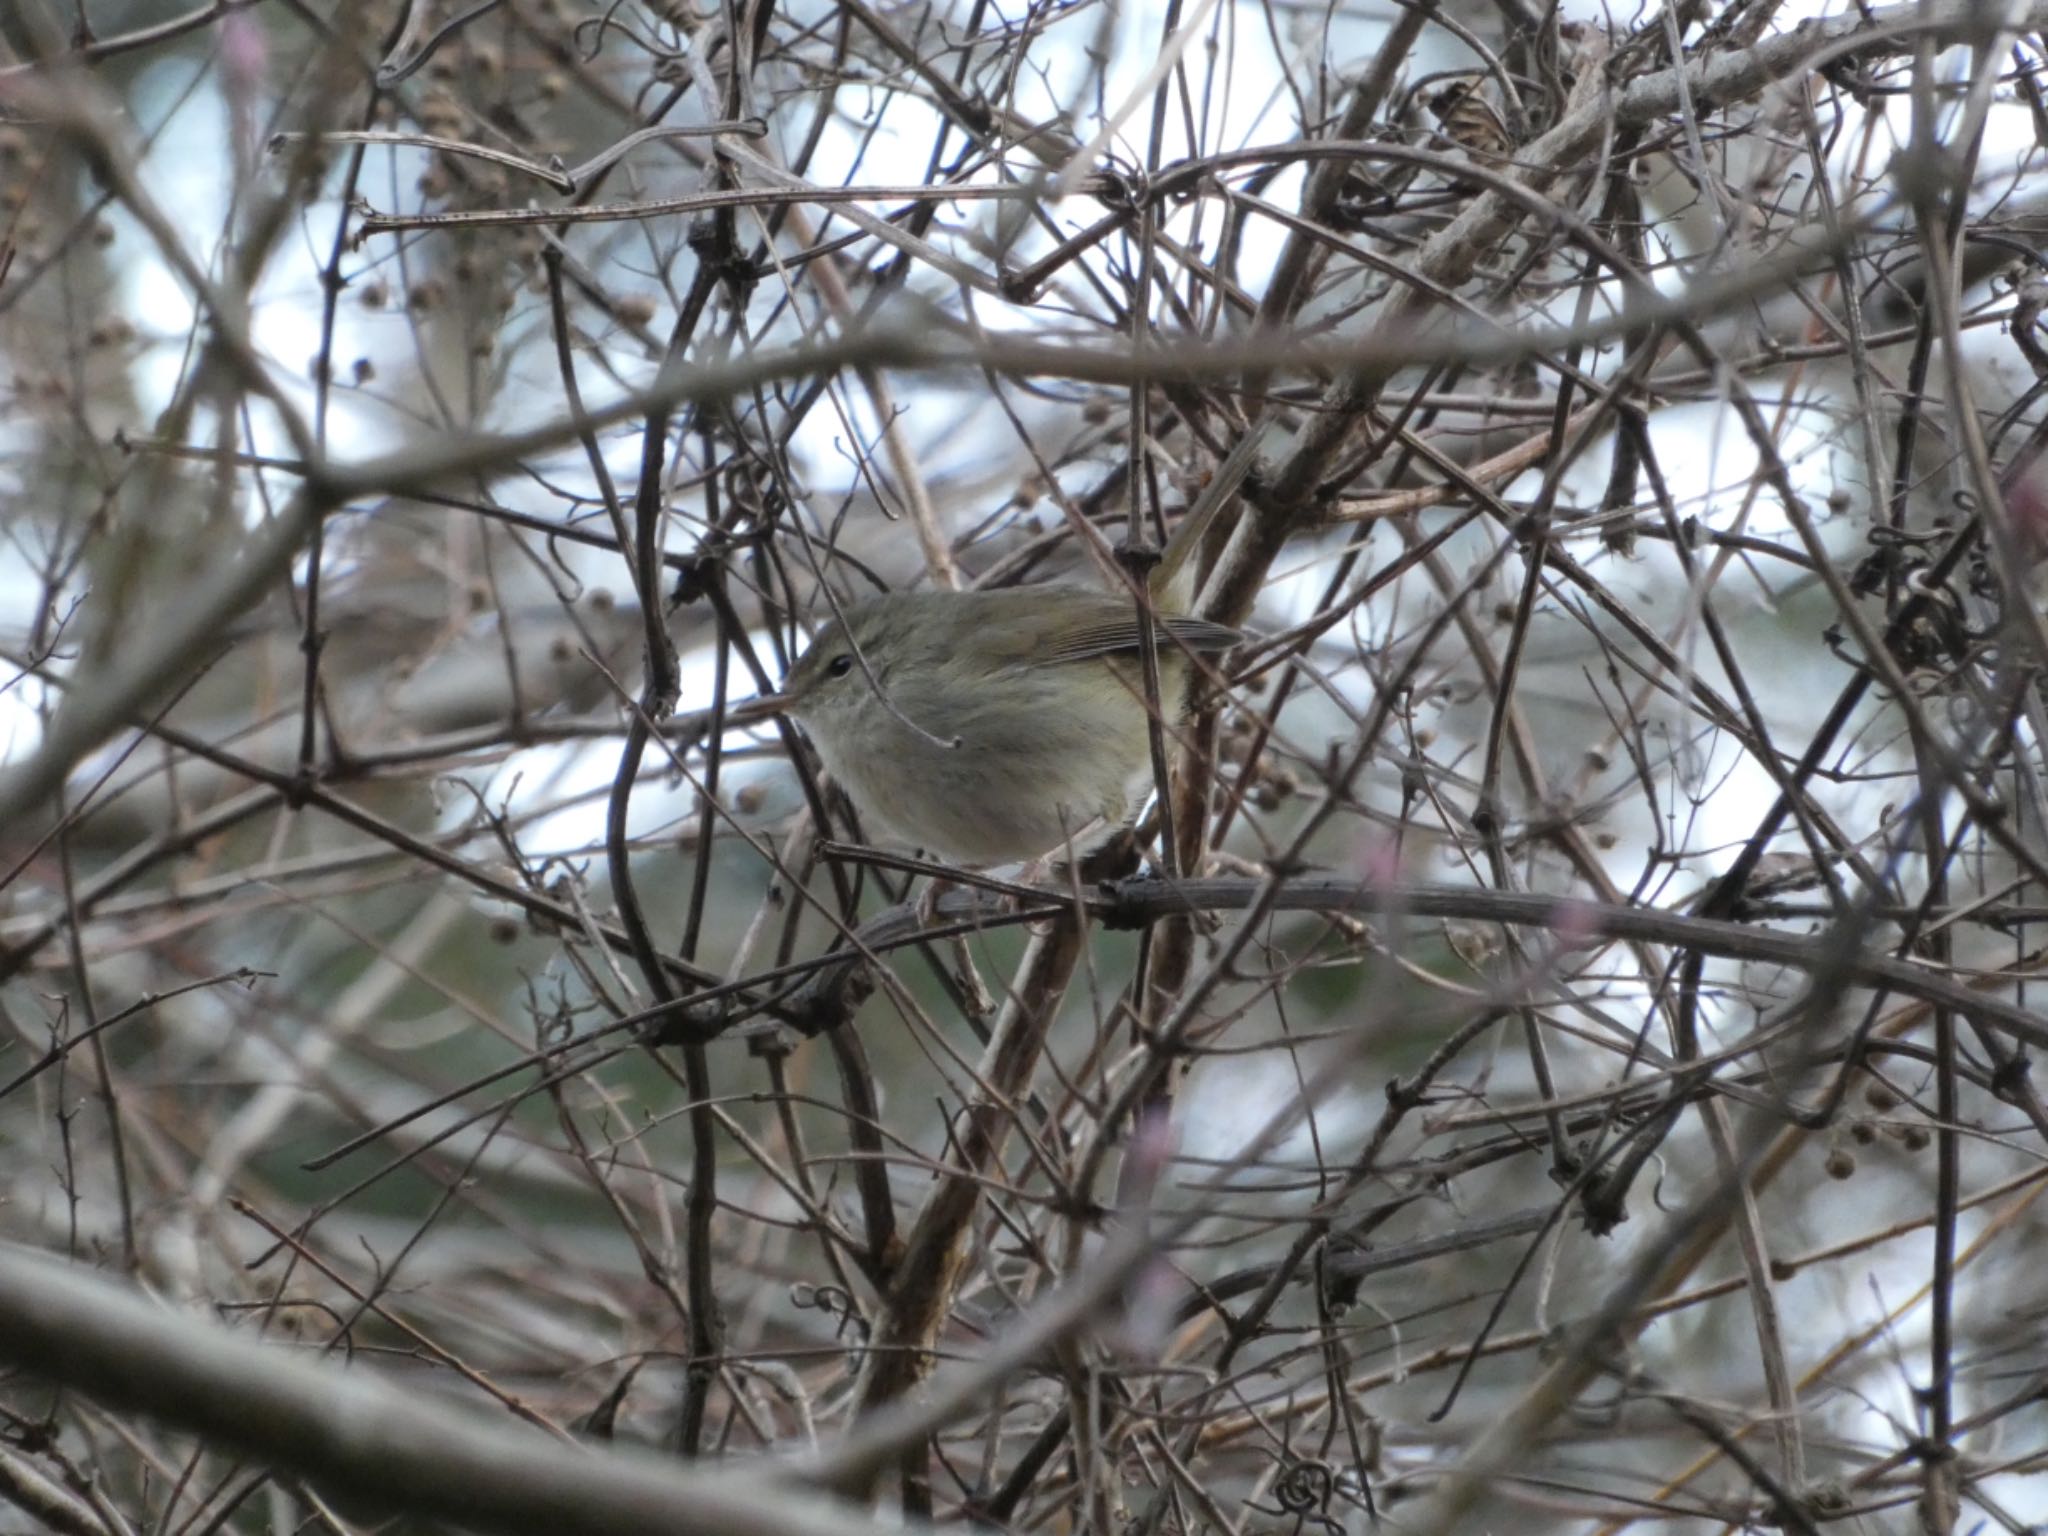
<point x="1566" y="1069"/>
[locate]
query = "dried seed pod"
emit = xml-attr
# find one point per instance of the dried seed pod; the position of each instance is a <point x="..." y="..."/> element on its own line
<point x="1470" y="120"/>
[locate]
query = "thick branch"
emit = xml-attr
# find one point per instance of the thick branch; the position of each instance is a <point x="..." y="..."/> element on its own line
<point x="344" y="1429"/>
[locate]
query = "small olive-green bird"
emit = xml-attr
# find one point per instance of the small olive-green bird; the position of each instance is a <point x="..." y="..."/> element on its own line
<point x="991" y="727"/>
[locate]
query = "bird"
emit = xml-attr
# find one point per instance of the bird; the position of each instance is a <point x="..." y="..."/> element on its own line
<point x="990" y="727"/>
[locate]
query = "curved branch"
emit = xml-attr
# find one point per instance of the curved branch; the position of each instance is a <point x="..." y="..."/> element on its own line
<point x="346" y="1429"/>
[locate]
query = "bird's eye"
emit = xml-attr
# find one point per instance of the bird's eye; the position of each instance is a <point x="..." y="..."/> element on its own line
<point x="839" y="666"/>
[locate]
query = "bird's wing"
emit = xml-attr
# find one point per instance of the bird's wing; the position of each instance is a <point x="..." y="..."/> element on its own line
<point x="1116" y="633"/>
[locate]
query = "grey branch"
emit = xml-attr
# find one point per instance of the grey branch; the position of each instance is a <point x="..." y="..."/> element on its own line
<point x="342" y="1428"/>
